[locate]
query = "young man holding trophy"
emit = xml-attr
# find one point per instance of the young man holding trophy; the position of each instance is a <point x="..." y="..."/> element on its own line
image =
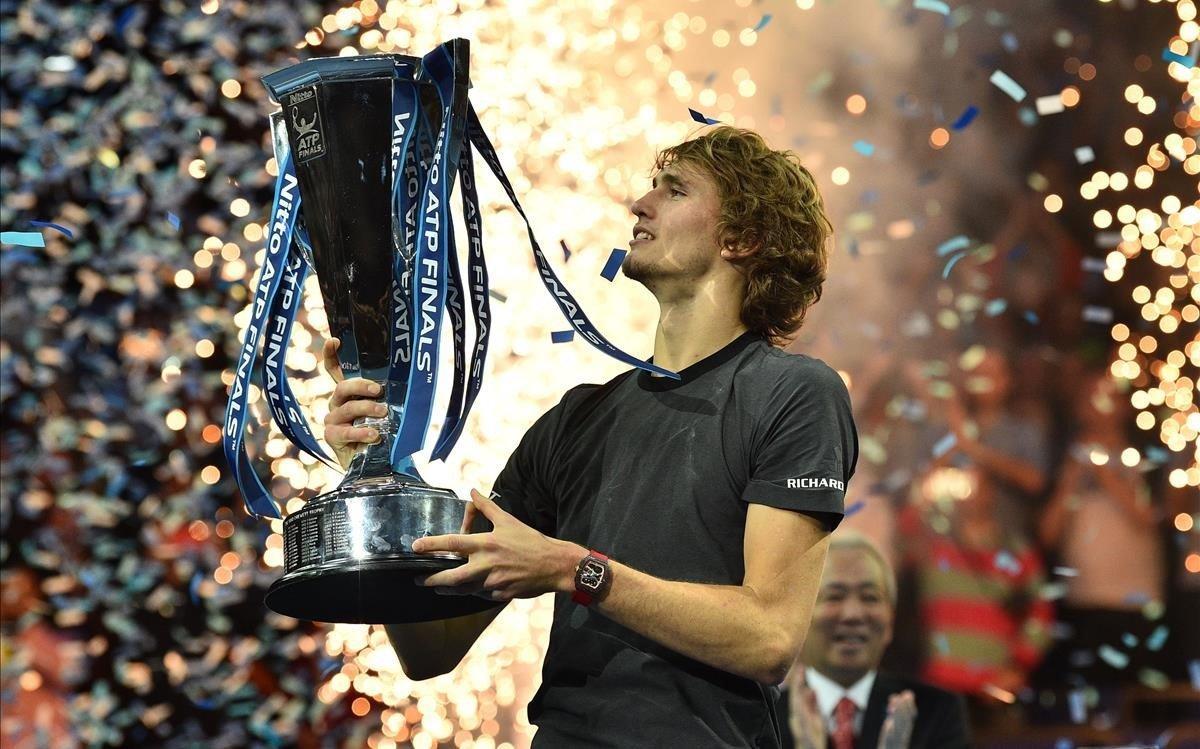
<point x="681" y="522"/>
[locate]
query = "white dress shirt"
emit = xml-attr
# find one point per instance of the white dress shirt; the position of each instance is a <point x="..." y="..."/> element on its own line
<point x="830" y="693"/>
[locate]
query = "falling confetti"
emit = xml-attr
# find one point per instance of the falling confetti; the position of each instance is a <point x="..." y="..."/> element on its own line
<point x="1001" y="81"/>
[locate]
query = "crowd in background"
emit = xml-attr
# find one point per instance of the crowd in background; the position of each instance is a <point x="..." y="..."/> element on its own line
<point x="1039" y="574"/>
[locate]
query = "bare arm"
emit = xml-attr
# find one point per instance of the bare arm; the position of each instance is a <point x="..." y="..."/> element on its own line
<point x="754" y="629"/>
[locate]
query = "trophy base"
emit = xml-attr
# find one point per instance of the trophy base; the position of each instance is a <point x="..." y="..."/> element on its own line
<point x="372" y="593"/>
<point x="348" y="555"/>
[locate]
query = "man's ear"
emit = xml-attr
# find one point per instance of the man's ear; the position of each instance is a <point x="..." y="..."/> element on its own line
<point x="734" y="253"/>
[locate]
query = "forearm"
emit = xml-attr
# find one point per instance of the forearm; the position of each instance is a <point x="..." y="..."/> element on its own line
<point x="1025" y="476"/>
<point x="724" y="626"/>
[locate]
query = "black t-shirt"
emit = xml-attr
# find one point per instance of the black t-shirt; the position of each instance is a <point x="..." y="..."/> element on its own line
<point x="657" y="473"/>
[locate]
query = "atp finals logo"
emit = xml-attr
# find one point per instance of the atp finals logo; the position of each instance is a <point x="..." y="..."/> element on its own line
<point x="306" y="124"/>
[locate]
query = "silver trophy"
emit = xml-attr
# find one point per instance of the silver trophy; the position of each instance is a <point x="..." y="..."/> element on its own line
<point x="348" y="553"/>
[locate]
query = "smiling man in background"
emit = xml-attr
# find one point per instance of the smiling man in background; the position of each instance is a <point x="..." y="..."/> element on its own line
<point x="835" y="696"/>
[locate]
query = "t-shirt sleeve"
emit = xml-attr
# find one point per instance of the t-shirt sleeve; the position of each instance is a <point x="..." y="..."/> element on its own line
<point x="524" y="484"/>
<point x="804" y="445"/>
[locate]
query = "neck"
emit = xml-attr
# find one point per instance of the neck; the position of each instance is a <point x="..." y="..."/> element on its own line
<point x="844" y="679"/>
<point x="698" y="323"/>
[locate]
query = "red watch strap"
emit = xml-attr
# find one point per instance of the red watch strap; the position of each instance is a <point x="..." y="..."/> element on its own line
<point x="582" y="597"/>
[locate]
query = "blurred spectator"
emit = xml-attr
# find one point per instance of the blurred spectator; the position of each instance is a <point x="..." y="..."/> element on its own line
<point x="978" y="583"/>
<point x="1100" y="520"/>
<point x="836" y="687"/>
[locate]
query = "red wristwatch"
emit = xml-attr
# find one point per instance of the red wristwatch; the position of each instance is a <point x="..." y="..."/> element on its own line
<point x="593" y="577"/>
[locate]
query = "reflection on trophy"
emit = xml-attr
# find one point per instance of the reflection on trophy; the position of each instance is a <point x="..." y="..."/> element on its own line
<point x="368" y="149"/>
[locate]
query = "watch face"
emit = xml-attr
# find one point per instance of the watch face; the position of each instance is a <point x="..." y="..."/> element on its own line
<point x="592" y="574"/>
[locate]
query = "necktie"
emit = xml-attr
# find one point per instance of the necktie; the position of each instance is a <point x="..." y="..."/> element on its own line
<point x="843" y="724"/>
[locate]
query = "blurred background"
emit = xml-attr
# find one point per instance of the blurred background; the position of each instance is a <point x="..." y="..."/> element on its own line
<point x="1013" y="299"/>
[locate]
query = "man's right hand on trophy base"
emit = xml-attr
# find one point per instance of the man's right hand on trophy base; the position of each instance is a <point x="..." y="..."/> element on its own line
<point x="352" y="399"/>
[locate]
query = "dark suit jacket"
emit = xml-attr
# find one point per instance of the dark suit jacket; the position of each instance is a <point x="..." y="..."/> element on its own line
<point x="941" y="715"/>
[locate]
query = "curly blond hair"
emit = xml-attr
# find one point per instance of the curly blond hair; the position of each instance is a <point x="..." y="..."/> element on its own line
<point x="769" y="202"/>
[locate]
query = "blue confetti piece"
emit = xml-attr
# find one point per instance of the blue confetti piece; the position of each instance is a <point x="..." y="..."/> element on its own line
<point x="950" y="265"/>
<point x="1027" y="116"/>
<point x="1005" y="561"/>
<point x="856" y="507"/>
<point x="762" y="22"/>
<point x="614" y="264"/>
<point x="1032" y="318"/>
<point x="57" y="227"/>
<point x="1002" y="81"/>
<point x="1137" y="598"/>
<point x="562" y="336"/>
<point x="995" y="307"/>
<point x="566" y="250"/>
<point x="937" y="6"/>
<point x="174" y="220"/>
<point x="194" y="588"/>
<point x="708" y="81"/>
<point x="1009" y="40"/>
<point x="23" y="238"/>
<point x="1077" y="704"/>
<point x="953" y="244"/>
<point x="852" y="248"/>
<point x="966" y="118"/>
<point x="1156" y="454"/>
<point x="1194" y="674"/>
<point x="702" y="118"/>
<point x="1129" y="640"/>
<point x="863" y="147"/>
<point x="1112" y="656"/>
<point x="1064" y="744"/>
<point x="1169" y="56"/>
<point x="944" y="445"/>
<point x="943" y="643"/>
<point x="1018" y="252"/>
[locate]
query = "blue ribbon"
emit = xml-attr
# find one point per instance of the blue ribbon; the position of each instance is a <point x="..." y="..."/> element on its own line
<point x="481" y="308"/>
<point x="570" y="308"/>
<point x="279" y="242"/>
<point x="280" y="399"/>
<point x="433" y="232"/>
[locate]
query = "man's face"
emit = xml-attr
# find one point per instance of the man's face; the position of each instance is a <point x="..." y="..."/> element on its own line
<point x="852" y="621"/>
<point x="680" y="215"/>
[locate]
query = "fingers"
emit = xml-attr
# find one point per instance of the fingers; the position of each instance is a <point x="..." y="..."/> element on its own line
<point x="329" y="355"/>
<point x="456" y="543"/>
<point x="354" y="389"/>
<point x="468" y="518"/>
<point x="488" y="507"/>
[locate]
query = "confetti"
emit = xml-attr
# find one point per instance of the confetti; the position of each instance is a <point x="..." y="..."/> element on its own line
<point x="1077" y="705"/>
<point x="562" y="336"/>
<point x="854" y="508"/>
<point x="1157" y="637"/>
<point x="173" y="220"/>
<point x="1006" y="562"/>
<point x="1112" y="656"/>
<point x="1066" y="571"/>
<point x="762" y="22"/>
<point x="1093" y="265"/>
<point x="23" y="238"/>
<point x="937" y="6"/>
<point x="497" y="296"/>
<point x="1129" y="640"/>
<point x="609" y="272"/>
<point x="1153" y="678"/>
<point x="1049" y="104"/>
<point x="1031" y="317"/>
<point x="1188" y="61"/>
<point x="966" y="118"/>
<point x="953" y="245"/>
<point x="944" y="445"/>
<point x="1194" y="674"/>
<point x="995" y="307"/>
<point x="1085" y="155"/>
<point x="863" y="147"/>
<point x="950" y="265"/>
<point x="566" y="250"/>
<point x="1092" y="313"/>
<point x="702" y="118"/>
<point x="57" y="227"/>
<point x="1001" y="81"/>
